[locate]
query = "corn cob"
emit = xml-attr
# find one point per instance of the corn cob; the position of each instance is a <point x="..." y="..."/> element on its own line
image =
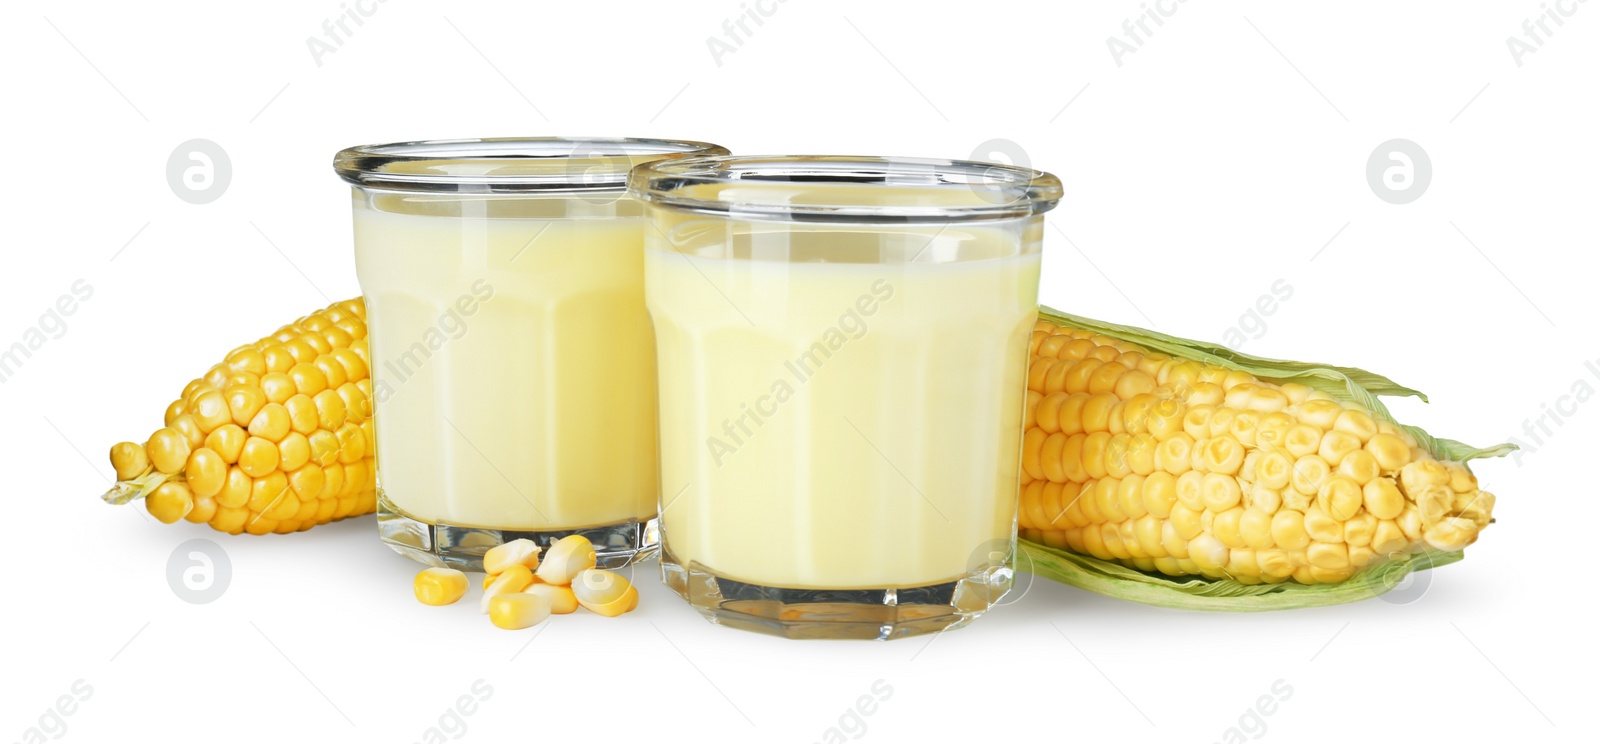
<point x="276" y="438"/>
<point x="1166" y="463"/>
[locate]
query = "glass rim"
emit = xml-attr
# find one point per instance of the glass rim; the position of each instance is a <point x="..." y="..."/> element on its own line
<point x="1001" y="191"/>
<point x="594" y="163"/>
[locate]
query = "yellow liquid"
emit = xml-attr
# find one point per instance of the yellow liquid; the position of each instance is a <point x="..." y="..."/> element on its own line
<point x="888" y="456"/>
<point x="534" y="410"/>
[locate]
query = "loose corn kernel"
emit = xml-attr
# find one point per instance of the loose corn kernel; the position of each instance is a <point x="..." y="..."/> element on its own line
<point x="439" y="586"/>
<point x="514" y="579"/>
<point x="517" y="610"/>
<point x="565" y="558"/>
<point x="604" y="593"/>
<point x="563" y="601"/>
<point x="519" y="552"/>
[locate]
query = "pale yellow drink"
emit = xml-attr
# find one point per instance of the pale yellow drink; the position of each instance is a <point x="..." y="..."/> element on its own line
<point x="513" y="361"/>
<point x="831" y="422"/>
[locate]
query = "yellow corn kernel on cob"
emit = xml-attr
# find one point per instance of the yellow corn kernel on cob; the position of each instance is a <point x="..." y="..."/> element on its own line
<point x="276" y="438"/>
<point x="1167" y="464"/>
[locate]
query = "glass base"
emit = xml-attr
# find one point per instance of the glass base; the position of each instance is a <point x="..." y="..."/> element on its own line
<point x="450" y="546"/>
<point x="866" y="614"/>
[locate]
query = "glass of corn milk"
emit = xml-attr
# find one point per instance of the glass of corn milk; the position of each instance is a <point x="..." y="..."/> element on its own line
<point x="512" y="360"/>
<point x="842" y="345"/>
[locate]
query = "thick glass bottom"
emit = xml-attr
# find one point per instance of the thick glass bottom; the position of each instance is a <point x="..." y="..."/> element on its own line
<point x="864" y="614"/>
<point x="451" y="546"/>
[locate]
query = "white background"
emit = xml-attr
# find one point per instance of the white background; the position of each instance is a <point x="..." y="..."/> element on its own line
<point x="1225" y="154"/>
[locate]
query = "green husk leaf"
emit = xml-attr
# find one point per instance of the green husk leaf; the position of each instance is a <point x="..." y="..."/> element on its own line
<point x="1224" y="595"/>
<point x="1347" y="384"/>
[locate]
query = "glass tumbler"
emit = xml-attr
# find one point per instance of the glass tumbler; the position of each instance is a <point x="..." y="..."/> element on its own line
<point x="842" y="345"/>
<point x="511" y="355"/>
